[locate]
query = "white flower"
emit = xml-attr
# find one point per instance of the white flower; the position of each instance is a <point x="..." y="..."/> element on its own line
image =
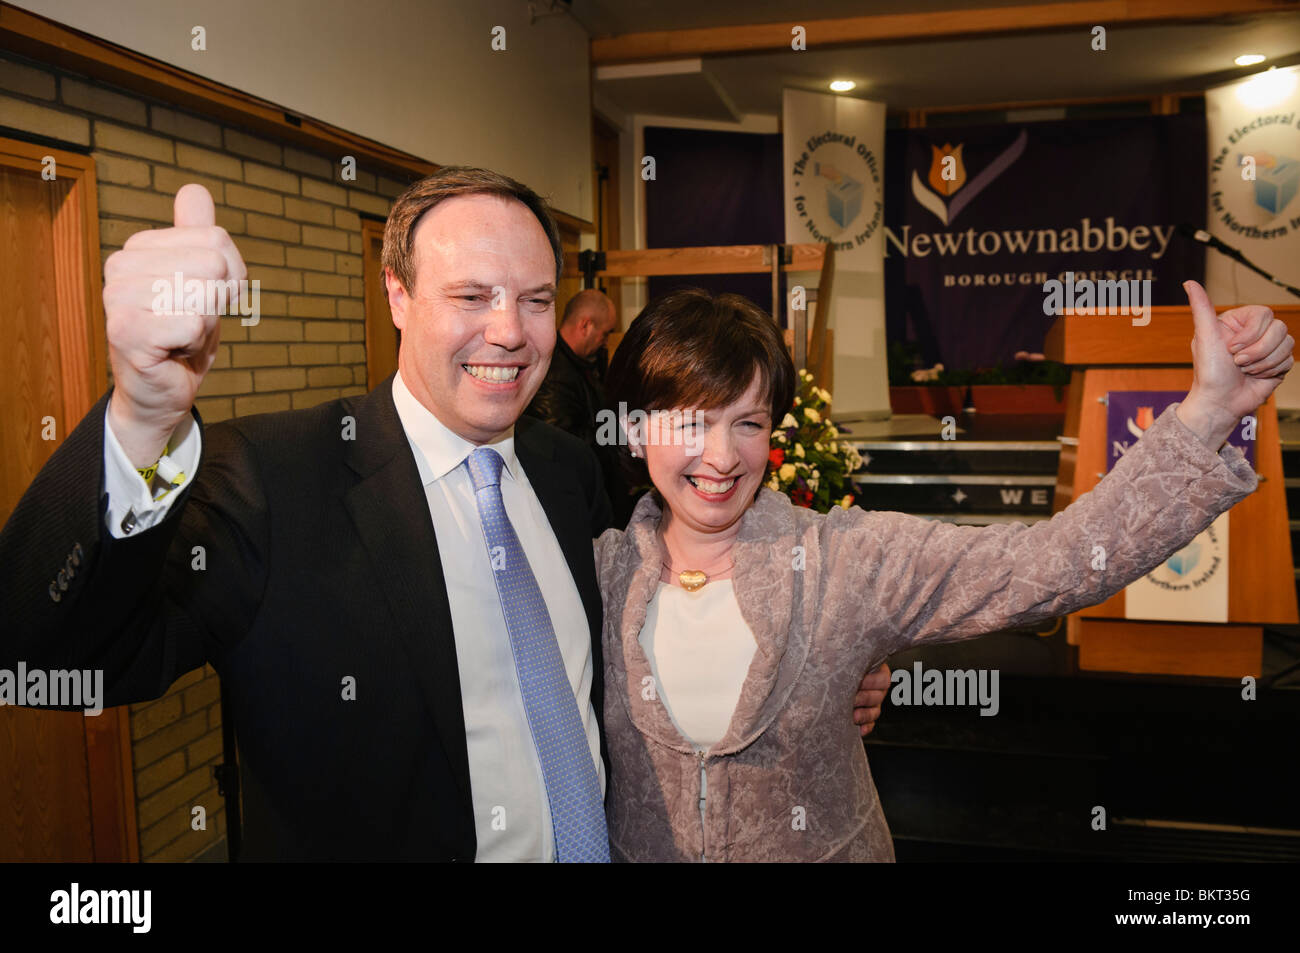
<point x="787" y="472"/>
<point x="797" y="401"/>
<point x="818" y="447"/>
<point x="812" y="482"/>
<point x="773" y="483"/>
<point x="931" y="375"/>
<point x="816" y="472"/>
<point x="779" y="436"/>
<point x="812" y="415"/>
<point x="835" y="446"/>
<point x="798" y="450"/>
<point x="832" y="430"/>
<point x="824" y="394"/>
<point x="789" y="421"/>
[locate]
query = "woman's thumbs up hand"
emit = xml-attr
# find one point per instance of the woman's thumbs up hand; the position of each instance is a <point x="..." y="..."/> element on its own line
<point x="1238" y="359"/>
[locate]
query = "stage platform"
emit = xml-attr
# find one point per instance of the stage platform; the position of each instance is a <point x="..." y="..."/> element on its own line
<point x="1161" y="752"/>
<point x="999" y="467"/>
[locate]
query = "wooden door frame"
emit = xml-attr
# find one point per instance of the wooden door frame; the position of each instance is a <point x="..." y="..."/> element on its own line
<point x="83" y="357"/>
<point x="608" y="236"/>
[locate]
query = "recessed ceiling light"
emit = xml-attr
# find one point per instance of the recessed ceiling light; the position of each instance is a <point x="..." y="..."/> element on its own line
<point x="1250" y="59"/>
<point x="842" y="85"/>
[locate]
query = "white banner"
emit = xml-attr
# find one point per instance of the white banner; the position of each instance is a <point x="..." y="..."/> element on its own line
<point x="1253" y="136"/>
<point x="834" y="149"/>
<point x="1190" y="586"/>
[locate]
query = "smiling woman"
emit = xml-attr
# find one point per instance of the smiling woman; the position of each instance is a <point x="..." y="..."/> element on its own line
<point x="736" y="623"/>
<point x="721" y="356"/>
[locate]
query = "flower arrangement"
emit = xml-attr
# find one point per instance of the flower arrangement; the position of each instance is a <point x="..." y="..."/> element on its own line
<point x="809" y="462"/>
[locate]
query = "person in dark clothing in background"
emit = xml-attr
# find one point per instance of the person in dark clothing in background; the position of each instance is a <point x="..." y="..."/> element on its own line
<point x="572" y="394"/>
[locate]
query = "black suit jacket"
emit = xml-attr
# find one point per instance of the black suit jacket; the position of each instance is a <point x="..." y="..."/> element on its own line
<point x="570" y="398"/>
<point x="321" y="565"/>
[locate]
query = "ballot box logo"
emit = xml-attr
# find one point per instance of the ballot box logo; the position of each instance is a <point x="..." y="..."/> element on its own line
<point x="1276" y="179"/>
<point x="843" y="194"/>
<point x="837" y="190"/>
<point x="947" y="178"/>
<point x="1185" y="560"/>
<point x="1193" y="566"/>
<point x="1255" y="171"/>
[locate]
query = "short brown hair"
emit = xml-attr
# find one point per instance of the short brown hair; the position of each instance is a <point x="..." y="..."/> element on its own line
<point x="692" y="349"/>
<point x="447" y="183"/>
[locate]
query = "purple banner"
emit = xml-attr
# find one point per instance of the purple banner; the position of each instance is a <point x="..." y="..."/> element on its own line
<point x="978" y="218"/>
<point x="1130" y="412"/>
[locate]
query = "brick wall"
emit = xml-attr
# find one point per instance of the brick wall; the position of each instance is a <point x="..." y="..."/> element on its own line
<point x="297" y="224"/>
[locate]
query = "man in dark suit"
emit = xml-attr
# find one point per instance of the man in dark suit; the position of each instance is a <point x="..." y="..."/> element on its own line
<point x="571" y="395"/>
<point x="397" y="590"/>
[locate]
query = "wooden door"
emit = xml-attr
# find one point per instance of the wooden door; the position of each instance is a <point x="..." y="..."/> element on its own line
<point x="66" y="791"/>
<point x="382" y="336"/>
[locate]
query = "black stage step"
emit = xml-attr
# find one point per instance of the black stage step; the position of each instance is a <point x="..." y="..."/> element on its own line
<point x="1181" y="774"/>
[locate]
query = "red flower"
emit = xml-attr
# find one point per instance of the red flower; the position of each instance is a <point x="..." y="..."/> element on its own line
<point x="801" y="497"/>
<point x="777" y="457"/>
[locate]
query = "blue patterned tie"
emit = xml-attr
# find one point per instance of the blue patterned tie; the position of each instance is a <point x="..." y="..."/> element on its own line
<point x="572" y="786"/>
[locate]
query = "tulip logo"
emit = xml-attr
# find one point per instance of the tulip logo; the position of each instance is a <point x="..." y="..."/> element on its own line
<point x="947" y="170"/>
<point x="948" y="176"/>
<point x="1145" y="418"/>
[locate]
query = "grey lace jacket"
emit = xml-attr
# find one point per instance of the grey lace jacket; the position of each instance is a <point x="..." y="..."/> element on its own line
<point x="789" y="780"/>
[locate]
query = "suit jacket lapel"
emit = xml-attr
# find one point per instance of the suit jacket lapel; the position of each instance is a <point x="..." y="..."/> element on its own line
<point x="391" y="514"/>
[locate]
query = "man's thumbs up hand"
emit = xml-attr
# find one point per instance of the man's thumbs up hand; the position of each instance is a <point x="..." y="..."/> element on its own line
<point x="159" y="348"/>
<point x="1238" y="359"/>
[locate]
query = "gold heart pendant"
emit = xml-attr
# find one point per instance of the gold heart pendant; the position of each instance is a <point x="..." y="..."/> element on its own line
<point x="693" y="579"/>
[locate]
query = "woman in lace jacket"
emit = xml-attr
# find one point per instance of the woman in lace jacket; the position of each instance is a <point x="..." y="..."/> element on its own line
<point x="735" y="621"/>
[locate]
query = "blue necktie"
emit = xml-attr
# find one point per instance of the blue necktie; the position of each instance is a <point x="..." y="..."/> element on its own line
<point x="572" y="786"/>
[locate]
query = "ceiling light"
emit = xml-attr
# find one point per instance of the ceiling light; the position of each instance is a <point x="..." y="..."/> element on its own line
<point x="842" y="85"/>
<point x="1250" y="59"/>
<point x="1267" y="89"/>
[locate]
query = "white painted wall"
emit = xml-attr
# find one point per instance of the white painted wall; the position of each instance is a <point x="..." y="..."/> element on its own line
<point x="417" y="75"/>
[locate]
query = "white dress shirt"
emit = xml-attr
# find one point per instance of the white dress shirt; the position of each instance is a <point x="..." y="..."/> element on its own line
<point x="126" y="489"/>
<point x="511" y="812"/>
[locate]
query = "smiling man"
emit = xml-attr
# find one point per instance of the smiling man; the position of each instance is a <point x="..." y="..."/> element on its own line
<point x="398" y="590"/>
<point x="472" y="288"/>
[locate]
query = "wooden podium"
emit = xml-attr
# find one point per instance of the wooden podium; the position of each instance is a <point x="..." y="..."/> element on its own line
<point x="1110" y="353"/>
